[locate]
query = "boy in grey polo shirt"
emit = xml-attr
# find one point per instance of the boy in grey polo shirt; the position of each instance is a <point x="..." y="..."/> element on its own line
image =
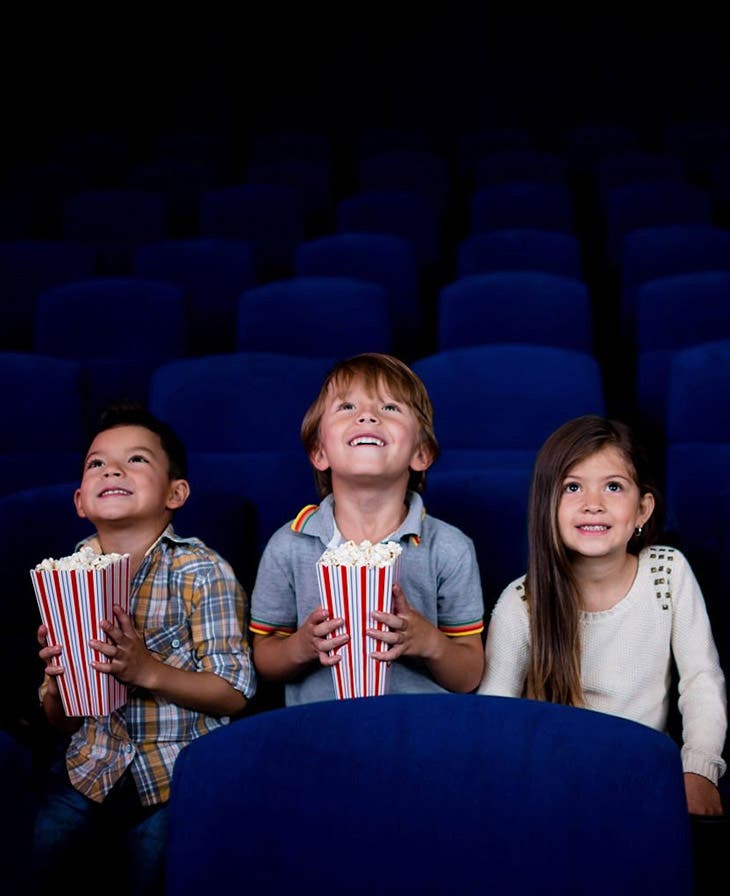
<point x="369" y="436"/>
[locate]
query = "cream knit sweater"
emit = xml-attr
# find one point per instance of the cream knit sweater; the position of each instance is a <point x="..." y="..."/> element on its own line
<point x="626" y="656"/>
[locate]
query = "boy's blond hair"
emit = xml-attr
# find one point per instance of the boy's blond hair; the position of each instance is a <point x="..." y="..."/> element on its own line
<point x="378" y="372"/>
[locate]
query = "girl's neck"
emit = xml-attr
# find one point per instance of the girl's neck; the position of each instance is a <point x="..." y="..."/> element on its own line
<point x="603" y="582"/>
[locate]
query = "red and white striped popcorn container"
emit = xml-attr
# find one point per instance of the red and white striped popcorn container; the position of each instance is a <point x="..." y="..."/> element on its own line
<point x="74" y="594"/>
<point x="353" y="581"/>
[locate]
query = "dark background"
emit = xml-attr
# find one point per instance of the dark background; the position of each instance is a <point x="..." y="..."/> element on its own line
<point x="241" y="67"/>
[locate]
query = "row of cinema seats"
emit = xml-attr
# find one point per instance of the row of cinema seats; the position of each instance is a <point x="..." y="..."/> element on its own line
<point x="577" y="205"/>
<point x="239" y="417"/>
<point x="675" y="284"/>
<point x="324" y="169"/>
<point x="480" y="776"/>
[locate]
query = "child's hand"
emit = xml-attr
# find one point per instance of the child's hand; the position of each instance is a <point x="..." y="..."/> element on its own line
<point x="703" y="798"/>
<point x="50" y="658"/>
<point x="410" y="633"/>
<point x="129" y="659"/>
<point x="314" y="634"/>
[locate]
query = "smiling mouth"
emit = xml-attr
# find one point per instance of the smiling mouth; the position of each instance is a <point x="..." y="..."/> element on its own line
<point x="114" y="491"/>
<point x="366" y="440"/>
<point x="594" y="528"/>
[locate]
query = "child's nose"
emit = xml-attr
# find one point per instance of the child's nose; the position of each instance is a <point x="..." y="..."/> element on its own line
<point x="367" y="417"/>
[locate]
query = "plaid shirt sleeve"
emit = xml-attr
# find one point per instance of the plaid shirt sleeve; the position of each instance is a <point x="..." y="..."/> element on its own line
<point x="217" y="624"/>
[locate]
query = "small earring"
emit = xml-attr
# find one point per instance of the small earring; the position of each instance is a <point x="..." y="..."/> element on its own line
<point x="638" y="531"/>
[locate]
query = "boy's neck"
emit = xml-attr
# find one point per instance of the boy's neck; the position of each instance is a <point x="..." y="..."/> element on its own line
<point x="133" y="540"/>
<point x="369" y="516"/>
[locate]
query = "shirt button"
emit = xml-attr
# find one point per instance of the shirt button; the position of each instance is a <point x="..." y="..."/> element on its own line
<point x="128" y="748"/>
<point x="175" y="643"/>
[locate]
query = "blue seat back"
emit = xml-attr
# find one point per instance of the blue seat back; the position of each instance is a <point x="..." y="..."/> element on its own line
<point x="480" y="777"/>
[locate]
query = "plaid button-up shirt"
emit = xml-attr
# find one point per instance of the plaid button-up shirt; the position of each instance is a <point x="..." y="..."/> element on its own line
<point x="186" y="600"/>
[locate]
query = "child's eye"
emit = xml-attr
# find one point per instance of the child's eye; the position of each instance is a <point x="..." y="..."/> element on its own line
<point x="614" y="486"/>
<point x="94" y="462"/>
<point x="391" y="406"/>
<point x="572" y="488"/>
<point x="138" y="459"/>
<point x="345" y="406"/>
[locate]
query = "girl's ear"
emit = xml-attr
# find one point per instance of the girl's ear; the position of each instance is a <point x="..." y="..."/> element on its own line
<point x="646" y="508"/>
<point x="178" y="494"/>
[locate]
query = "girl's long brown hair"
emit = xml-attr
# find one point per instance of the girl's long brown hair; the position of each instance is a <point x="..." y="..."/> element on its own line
<point x="554" y="602"/>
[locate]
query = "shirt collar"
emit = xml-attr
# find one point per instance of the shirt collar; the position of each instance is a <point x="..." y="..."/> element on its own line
<point x="169" y="534"/>
<point x="322" y="523"/>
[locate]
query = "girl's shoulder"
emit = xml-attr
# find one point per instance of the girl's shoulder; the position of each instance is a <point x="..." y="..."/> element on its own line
<point x="660" y="557"/>
<point x="514" y="593"/>
<point x="660" y="565"/>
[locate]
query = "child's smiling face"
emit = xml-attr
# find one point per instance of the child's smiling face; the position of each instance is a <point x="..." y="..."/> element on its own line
<point x="369" y="436"/>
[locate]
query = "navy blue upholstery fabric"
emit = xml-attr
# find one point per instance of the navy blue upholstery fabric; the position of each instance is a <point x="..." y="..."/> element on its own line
<point x="432" y="794"/>
<point x="89" y="321"/>
<point x="649" y="253"/>
<point x="421" y="170"/>
<point x="405" y="213"/>
<point x="501" y="399"/>
<point x="674" y="313"/>
<point x="518" y="249"/>
<point x="543" y="206"/>
<point x="382" y="258"/>
<point x="489" y="504"/>
<point x="212" y="271"/>
<point x="698" y="451"/>
<point x="649" y="204"/>
<point x="244" y="401"/>
<point x="288" y="316"/>
<point x="26" y="268"/>
<point x="629" y="166"/>
<point x="276" y="483"/>
<point x="43" y="431"/>
<point x="270" y="216"/>
<point x="314" y="178"/>
<point x="515" y="306"/>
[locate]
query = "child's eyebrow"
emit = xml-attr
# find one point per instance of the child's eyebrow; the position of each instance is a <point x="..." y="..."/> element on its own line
<point x="606" y="478"/>
<point x="133" y="449"/>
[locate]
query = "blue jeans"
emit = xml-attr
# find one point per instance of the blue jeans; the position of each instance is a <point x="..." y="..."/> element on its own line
<point x="117" y="845"/>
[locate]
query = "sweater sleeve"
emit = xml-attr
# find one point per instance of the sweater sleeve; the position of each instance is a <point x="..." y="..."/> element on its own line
<point x="507" y="645"/>
<point x="702" y="698"/>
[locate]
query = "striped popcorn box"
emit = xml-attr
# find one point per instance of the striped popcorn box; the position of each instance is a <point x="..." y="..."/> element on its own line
<point x="74" y="594"/>
<point x="354" y="580"/>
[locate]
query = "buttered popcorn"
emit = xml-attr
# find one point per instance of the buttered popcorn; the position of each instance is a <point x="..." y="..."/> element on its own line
<point x="84" y="559"/>
<point x="366" y="553"/>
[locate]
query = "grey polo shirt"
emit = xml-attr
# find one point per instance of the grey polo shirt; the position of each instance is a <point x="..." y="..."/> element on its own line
<point x="438" y="573"/>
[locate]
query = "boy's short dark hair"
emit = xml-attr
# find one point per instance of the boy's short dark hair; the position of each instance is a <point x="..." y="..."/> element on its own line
<point x="133" y="413"/>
